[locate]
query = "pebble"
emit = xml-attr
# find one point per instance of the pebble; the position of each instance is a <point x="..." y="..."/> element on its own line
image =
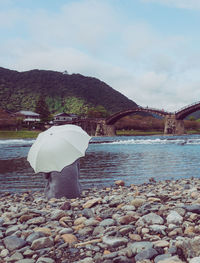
<point x="156" y="222"/>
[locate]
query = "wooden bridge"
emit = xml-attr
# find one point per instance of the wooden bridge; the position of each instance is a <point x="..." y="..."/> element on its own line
<point x="173" y="120"/>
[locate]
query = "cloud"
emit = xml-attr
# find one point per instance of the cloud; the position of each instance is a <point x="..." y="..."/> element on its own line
<point x="185" y="4"/>
<point x="9" y="19"/>
<point x="82" y="24"/>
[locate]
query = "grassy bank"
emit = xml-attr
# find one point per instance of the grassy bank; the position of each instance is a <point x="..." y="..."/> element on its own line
<point x="193" y="132"/>
<point x="23" y="134"/>
<point x="137" y="133"/>
<point x="146" y="133"/>
<point x="33" y="134"/>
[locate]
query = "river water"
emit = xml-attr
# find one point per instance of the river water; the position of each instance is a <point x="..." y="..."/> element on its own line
<point x="133" y="159"/>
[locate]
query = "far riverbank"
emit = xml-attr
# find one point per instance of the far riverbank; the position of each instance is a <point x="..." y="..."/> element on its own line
<point x="26" y="134"/>
<point x="21" y="134"/>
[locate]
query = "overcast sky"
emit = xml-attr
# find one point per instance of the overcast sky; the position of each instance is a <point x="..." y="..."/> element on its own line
<point x="149" y="50"/>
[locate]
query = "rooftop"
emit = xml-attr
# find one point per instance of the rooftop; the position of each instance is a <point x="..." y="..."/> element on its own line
<point x="26" y="112"/>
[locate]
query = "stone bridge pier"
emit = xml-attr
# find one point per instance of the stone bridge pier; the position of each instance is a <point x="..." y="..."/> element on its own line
<point x="173" y="126"/>
<point x="104" y="129"/>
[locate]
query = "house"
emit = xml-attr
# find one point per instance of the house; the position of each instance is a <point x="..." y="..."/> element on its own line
<point x="63" y="117"/>
<point x="28" y="116"/>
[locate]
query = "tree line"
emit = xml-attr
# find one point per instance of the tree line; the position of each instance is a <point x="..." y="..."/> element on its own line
<point x="132" y="122"/>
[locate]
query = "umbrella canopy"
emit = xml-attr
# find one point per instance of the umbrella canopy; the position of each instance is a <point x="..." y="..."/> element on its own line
<point x="58" y="147"/>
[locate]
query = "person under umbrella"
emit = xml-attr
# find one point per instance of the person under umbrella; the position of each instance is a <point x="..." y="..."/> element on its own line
<point x="64" y="183"/>
<point x="56" y="153"/>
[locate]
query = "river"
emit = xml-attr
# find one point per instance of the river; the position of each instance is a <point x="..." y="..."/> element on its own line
<point x="134" y="159"/>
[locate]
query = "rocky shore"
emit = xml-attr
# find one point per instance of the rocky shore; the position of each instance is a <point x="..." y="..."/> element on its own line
<point x="155" y="222"/>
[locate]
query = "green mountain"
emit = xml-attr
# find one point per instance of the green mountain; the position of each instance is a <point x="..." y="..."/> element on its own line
<point x="62" y="92"/>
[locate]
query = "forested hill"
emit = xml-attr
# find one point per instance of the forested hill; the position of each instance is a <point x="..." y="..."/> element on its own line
<point x="62" y="92"/>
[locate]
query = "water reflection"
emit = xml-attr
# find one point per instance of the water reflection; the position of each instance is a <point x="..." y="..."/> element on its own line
<point x="101" y="167"/>
<point x="17" y="175"/>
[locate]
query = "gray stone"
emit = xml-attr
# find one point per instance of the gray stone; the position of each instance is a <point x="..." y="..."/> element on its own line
<point x="1" y="221"/>
<point x="146" y="254"/>
<point x="160" y="229"/>
<point x="138" y="247"/>
<point x="161" y="257"/>
<point x="122" y="259"/>
<point x="91" y="222"/>
<point x="36" y="221"/>
<point x="193" y="208"/>
<point x="10" y="222"/>
<point x="66" y="230"/>
<point x="180" y="210"/>
<point x="4" y="253"/>
<point x="43" y="242"/>
<point x="45" y="260"/>
<point x="107" y="222"/>
<point x="57" y="214"/>
<point x="172" y="250"/>
<point x="16" y="256"/>
<point x="126" y="229"/>
<point x="87" y="212"/>
<point x="114" y="202"/>
<point x="98" y="230"/>
<point x="23" y="249"/>
<point x="11" y="230"/>
<point x="110" y="255"/>
<point x="34" y="236"/>
<point x="174" y="218"/>
<point x="174" y="259"/>
<point x="194" y="260"/>
<point x="114" y="241"/>
<point x="86" y="260"/>
<point x="27" y="260"/>
<point x="13" y="243"/>
<point x="128" y="208"/>
<point x="1" y="234"/>
<point x="28" y="252"/>
<point x="85" y="231"/>
<point x="108" y="213"/>
<point x="150" y="219"/>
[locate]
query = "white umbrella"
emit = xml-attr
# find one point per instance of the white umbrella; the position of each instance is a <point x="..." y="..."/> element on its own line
<point x="58" y="147"/>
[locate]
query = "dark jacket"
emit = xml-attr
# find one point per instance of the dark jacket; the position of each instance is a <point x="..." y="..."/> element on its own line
<point x="64" y="183"/>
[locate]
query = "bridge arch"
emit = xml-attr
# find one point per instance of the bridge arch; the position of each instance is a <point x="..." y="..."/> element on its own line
<point x="115" y="117"/>
<point x="187" y="110"/>
<point x="174" y="123"/>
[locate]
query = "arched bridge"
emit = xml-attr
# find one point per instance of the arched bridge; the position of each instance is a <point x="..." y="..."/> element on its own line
<point x="115" y="117"/>
<point x="173" y="120"/>
<point x="187" y="110"/>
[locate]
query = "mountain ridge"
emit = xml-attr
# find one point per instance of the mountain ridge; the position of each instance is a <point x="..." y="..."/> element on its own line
<point x="73" y="93"/>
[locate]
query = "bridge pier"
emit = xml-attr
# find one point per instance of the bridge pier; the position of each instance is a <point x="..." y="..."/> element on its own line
<point x="173" y="126"/>
<point x="109" y="130"/>
<point x="103" y="129"/>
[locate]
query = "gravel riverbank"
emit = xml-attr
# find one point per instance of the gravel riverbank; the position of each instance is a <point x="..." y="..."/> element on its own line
<point x="155" y="222"/>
